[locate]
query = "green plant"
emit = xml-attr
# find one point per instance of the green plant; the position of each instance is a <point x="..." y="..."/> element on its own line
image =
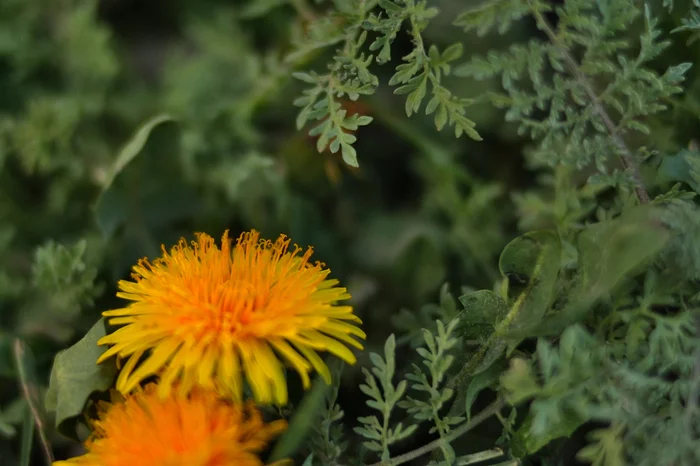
<point x="569" y="213"/>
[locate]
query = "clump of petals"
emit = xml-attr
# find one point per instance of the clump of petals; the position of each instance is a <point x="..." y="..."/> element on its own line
<point x="197" y="430"/>
<point x="206" y="316"/>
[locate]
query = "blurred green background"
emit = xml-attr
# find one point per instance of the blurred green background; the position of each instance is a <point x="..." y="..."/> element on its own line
<point x="78" y="78"/>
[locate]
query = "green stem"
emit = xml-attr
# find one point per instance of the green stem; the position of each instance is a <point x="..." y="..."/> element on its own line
<point x="489" y="411"/>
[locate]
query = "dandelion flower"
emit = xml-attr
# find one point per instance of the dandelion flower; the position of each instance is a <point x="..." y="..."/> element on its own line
<point x="204" y="316"/>
<point x="198" y="430"/>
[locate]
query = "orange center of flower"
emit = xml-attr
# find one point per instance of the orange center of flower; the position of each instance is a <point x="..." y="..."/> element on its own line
<point x="254" y="291"/>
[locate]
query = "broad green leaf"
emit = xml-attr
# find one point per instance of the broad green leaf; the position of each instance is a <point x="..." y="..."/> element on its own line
<point x="306" y="415"/>
<point x="609" y="252"/>
<point x="133" y="147"/>
<point x="483" y="310"/>
<point x="528" y="441"/>
<point x="530" y="264"/>
<point x="132" y="195"/>
<point x="75" y="376"/>
<point x="683" y="166"/>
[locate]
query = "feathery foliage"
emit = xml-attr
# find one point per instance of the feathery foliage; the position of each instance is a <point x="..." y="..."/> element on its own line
<point x="538" y="278"/>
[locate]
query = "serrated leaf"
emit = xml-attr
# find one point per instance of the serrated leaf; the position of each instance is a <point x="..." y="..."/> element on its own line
<point x="401" y="433"/>
<point x="367" y="433"/>
<point x="75" y="376"/>
<point x="606" y="449"/>
<point x="483" y="309"/>
<point x="530" y="264"/>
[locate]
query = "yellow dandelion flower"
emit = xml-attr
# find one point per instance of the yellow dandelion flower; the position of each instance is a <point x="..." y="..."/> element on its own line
<point x="203" y="316"/>
<point x="198" y="430"/>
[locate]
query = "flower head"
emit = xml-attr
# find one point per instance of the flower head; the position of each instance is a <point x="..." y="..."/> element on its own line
<point x="198" y="430"/>
<point x="203" y="316"/>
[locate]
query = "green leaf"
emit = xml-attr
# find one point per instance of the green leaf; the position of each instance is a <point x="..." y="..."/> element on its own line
<point x="683" y="166"/>
<point x="349" y="155"/>
<point x="75" y="376"/>
<point x="451" y="53"/>
<point x="530" y="264"/>
<point x="528" y="441"/>
<point x="12" y="415"/>
<point x="259" y="8"/>
<point x="519" y="382"/>
<point x="303" y="421"/>
<point x="6" y="429"/>
<point x="483" y="310"/>
<point x="132" y="197"/>
<point x="609" y="252"/>
<point x="391" y="7"/>
<point x="25" y="455"/>
<point x="606" y="448"/>
<point x="481" y="381"/>
<point x="133" y="147"/>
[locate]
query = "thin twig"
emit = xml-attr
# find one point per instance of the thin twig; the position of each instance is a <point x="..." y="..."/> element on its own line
<point x="489" y="411"/>
<point x="30" y="394"/>
<point x="626" y="156"/>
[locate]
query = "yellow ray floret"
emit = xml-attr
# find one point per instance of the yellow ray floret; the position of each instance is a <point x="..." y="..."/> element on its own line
<point x="198" y="430"/>
<point x="204" y="316"/>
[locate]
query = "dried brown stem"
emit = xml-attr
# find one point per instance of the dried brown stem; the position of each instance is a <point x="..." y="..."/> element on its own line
<point x="30" y="392"/>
